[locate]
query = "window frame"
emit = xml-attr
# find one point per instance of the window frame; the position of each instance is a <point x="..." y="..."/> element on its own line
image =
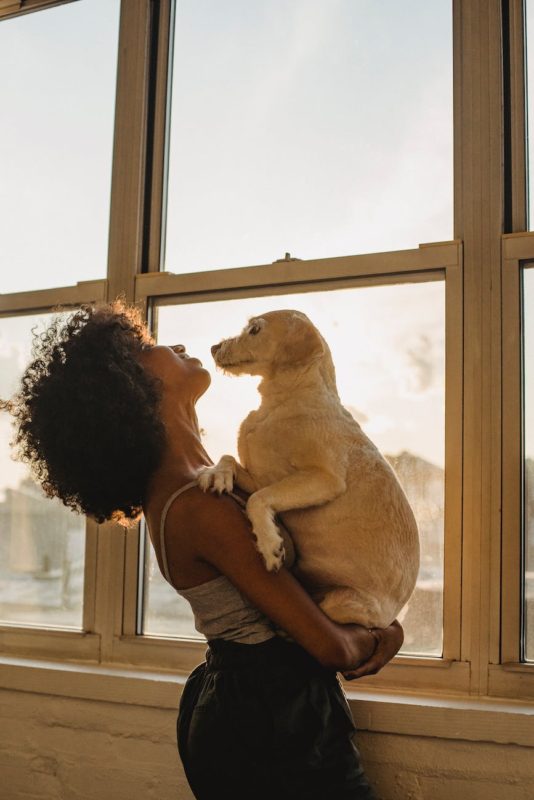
<point x="428" y="262"/>
<point x="127" y="203"/>
<point x="33" y="640"/>
<point x="512" y="677"/>
<point x="481" y="655"/>
<point x="16" y="8"/>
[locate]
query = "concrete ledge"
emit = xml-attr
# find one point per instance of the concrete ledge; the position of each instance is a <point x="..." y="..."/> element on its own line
<point x="481" y="719"/>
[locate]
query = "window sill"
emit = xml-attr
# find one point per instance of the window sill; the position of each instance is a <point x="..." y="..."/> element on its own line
<point x="448" y="716"/>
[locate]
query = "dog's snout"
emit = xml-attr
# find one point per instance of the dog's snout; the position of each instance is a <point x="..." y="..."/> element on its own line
<point x="215" y="347"/>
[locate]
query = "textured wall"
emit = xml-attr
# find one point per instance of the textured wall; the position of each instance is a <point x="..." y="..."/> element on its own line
<point x="426" y="768"/>
<point x="66" y="749"/>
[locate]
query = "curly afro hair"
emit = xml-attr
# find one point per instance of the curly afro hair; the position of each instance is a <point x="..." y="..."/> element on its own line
<point x="87" y="413"/>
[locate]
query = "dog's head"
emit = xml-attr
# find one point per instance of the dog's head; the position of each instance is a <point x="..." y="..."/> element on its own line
<point x="270" y="343"/>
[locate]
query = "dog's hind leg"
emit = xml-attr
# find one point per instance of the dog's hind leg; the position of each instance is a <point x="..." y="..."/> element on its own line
<point x="345" y="605"/>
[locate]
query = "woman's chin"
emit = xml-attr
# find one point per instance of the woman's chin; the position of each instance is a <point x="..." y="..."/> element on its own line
<point x="206" y="377"/>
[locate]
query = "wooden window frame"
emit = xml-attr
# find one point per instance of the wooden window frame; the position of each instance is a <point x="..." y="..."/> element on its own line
<point x="480" y="268"/>
<point x="428" y="262"/>
<point x="104" y="550"/>
<point x="509" y="676"/>
<point x="16" y="8"/>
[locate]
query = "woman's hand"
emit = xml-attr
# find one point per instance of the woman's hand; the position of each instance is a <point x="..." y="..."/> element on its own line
<point x="390" y="641"/>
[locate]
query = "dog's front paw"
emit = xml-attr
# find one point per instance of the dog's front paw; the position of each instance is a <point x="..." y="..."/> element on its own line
<point x="273" y="554"/>
<point x="219" y="478"/>
<point x="268" y="540"/>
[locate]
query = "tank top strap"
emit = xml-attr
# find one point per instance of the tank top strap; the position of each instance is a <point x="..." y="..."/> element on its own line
<point x="164" y="513"/>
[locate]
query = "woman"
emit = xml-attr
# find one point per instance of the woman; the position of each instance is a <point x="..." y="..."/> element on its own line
<point x="106" y="418"/>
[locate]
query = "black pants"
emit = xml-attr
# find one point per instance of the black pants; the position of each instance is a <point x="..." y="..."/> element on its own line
<point x="267" y="722"/>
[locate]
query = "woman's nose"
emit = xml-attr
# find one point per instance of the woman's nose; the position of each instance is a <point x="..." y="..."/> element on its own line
<point x="179" y="348"/>
<point x="215" y="347"/>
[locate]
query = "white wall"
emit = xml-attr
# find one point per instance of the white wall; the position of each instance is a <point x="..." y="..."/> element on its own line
<point x="63" y="748"/>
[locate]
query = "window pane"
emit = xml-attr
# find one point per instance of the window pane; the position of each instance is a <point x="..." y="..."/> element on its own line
<point x="41" y="542"/>
<point x="57" y="96"/>
<point x="529" y="47"/>
<point x="388" y="347"/>
<point x="319" y="128"/>
<point x="528" y="449"/>
<point x="165" y="613"/>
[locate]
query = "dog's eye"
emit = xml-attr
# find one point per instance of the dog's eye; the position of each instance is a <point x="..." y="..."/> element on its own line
<point x="254" y="329"/>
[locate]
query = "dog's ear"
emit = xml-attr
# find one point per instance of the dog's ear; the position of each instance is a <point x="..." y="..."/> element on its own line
<point x="302" y="344"/>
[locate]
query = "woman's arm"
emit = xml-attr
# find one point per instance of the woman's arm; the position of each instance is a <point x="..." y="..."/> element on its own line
<point x="389" y="642"/>
<point x="223" y="539"/>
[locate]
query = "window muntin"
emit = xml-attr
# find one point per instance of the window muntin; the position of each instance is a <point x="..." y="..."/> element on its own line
<point x="42" y="543"/>
<point x="316" y="128"/>
<point x="388" y="347"/>
<point x="57" y="95"/>
<point x="528" y="464"/>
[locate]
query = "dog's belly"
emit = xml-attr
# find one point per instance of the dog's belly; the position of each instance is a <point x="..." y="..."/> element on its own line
<point x="364" y="539"/>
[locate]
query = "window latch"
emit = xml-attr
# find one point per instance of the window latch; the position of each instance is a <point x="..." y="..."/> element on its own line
<point x="287" y="257"/>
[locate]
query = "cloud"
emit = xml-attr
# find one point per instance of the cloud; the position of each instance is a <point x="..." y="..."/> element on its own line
<point x="424" y="364"/>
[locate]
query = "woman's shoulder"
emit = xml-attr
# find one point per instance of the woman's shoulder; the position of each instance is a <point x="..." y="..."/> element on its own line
<point x="205" y="507"/>
<point x="195" y="524"/>
<point x="197" y="514"/>
<point x="210" y="519"/>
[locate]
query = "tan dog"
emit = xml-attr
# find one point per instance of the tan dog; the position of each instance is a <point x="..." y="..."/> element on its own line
<point x="303" y="455"/>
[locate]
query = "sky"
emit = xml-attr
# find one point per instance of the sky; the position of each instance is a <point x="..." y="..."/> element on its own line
<point x="390" y="367"/>
<point x="318" y="127"/>
<point x="57" y="96"/>
<point x="315" y="127"/>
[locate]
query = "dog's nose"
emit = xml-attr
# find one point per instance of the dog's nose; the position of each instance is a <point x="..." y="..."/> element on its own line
<point x="215" y="347"/>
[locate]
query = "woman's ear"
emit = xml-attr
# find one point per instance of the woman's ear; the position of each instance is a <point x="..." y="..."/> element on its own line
<point x="301" y="345"/>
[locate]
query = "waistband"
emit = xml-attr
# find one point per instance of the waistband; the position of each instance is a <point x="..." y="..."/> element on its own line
<point x="275" y="652"/>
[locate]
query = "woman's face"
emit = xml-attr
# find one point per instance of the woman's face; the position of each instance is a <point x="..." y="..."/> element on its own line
<point x="183" y="376"/>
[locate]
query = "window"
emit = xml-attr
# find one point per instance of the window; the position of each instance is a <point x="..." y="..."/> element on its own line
<point x="316" y="128"/>
<point x="42" y="545"/>
<point x="528" y="466"/>
<point x="529" y="66"/>
<point x="313" y="140"/>
<point x="57" y="95"/>
<point x="388" y="345"/>
<point x="277" y="144"/>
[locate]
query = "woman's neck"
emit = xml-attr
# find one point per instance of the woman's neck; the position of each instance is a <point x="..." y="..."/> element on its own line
<point x="184" y="453"/>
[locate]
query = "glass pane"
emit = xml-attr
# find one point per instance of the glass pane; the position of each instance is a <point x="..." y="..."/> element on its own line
<point x="388" y="346"/>
<point x="528" y="449"/>
<point x="165" y="613"/>
<point x="529" y="47"/>
<point x="41" y="542"/>
<point x="319" y="128"/>
<point x="57" y="96"/>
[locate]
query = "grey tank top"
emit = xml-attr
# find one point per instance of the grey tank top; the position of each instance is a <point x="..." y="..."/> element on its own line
<point x="219" y="609"/>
